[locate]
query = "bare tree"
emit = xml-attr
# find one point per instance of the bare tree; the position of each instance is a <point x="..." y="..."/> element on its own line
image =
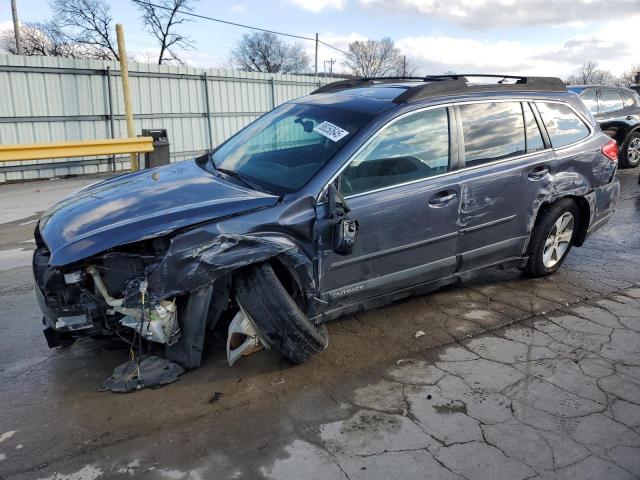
<point x="87" y="23"/>
<point x="161" y="18"/>
<point x="628" y="77"/>
<point x="43" y="39"/>
<point x="376" y="58"/>
<point x="590" y="74"/>
<point x="265" y="52"/>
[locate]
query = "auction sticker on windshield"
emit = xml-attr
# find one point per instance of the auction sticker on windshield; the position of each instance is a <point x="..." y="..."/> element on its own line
<point x="331" y="131"/>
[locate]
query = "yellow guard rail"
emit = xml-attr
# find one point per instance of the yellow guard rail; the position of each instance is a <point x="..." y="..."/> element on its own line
<point x="87" y="148"/>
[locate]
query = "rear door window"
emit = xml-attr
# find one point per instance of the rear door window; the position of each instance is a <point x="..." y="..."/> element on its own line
<point x="534" y="137"/>
<point x="590" y="99"/>
<point x="563" y="125"/>
<point x="492" y="131"/>
<point x="409" y="149"/>
<point x="610" y="100"/>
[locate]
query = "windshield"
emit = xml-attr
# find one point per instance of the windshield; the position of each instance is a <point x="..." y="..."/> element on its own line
<point x="285" y="148"/>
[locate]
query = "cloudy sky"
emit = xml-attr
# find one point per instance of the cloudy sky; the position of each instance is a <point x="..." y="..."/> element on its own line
<point x="544" y="37"/>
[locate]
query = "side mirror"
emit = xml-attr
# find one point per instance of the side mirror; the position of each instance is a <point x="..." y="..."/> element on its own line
<point x="345" y="230"/>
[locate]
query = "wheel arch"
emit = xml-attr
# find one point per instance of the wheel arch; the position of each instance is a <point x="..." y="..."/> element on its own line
<point x="584" y="203"/>
<point x="627" y="132"/>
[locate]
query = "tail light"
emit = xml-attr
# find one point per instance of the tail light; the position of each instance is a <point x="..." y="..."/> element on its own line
<point x="610" y="150"/>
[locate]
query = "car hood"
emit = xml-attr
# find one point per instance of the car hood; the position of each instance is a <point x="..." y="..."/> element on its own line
<point x="141" y="205"/>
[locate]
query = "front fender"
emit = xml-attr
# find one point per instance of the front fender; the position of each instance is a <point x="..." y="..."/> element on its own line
<point x="198" y="257"/>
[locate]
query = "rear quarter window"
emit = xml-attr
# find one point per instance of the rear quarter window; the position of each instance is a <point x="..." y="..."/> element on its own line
<point x="563" y="124"/>
<point x="628" y="99"/>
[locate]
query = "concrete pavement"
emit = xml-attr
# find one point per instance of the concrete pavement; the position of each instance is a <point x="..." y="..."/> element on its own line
<point x="515" y="378"/>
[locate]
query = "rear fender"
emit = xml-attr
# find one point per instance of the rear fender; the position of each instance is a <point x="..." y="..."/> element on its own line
<point x="596" y="206"/>
<point x="561" y="185"/>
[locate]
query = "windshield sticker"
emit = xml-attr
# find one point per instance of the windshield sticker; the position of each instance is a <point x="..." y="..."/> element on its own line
<point x="331" y="131"/>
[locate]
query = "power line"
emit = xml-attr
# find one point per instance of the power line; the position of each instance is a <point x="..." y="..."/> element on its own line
<point x="235" y="24"/>
<point x="335" y="48"/>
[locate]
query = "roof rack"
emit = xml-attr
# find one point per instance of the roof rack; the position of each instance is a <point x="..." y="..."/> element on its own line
<point x="360" y="82"/>
<point x="439" y="85"/>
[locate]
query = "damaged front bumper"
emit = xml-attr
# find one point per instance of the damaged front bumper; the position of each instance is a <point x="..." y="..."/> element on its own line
<point x="76" y="302"/>
<point x="67" y="312"/>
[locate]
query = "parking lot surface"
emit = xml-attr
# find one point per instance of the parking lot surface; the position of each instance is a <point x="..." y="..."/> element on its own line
<point x="513" y="378"/>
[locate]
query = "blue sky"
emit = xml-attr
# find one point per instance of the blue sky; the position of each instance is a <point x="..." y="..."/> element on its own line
<point x="546" y="37"/>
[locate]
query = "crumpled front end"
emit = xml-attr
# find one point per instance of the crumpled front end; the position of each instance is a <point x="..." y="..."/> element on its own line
<point x="87" y="298"/>
<point x="141" y="289"/>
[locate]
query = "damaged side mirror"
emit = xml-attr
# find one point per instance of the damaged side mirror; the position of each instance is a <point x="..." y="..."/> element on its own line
<point x="345" y="230"/>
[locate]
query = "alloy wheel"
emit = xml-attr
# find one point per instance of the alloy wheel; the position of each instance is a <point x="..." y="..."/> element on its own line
<point x="558" y="240"/>
<point x="633" y="151"/>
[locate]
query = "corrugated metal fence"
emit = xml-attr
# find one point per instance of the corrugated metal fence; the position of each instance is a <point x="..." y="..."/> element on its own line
<point x="46" y="99"/>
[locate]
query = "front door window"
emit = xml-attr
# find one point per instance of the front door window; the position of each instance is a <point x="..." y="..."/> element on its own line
<point x="410" y="149"/>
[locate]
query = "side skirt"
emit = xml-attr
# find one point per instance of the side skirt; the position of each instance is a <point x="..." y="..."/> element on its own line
<point x="419" y="289"/>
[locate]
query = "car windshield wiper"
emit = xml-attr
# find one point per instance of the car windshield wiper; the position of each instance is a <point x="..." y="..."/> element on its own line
<point x="241" y="177"/>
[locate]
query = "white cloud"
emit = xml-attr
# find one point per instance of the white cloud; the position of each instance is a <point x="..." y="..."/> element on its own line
<point x="604" y="45"/>
<point x="486" y="14"/>
<point x="239" y="8"/>
<point x="437" y="54"/>
<point x="6" y="25"/>
<point x="319" y="5"/>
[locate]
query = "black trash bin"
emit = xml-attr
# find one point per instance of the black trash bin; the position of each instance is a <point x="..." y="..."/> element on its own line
<point x="160" y="154"/>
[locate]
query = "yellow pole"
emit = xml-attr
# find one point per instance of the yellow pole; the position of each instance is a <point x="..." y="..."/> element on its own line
<point x="126" y="90"/>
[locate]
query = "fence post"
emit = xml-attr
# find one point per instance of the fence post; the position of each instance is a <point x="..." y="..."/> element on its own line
<point x="111" y="119"/>
<point x="273" y="93"/>
<point x="208" y="109"/>
<point x="126" y="90"/>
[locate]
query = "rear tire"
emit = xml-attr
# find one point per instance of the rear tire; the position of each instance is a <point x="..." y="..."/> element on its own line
<point x="552" y="237"/>
<point x="630" y="151"/>
<point x="278" y="318"/>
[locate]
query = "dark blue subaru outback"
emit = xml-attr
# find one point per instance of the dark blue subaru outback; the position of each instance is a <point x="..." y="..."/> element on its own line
<point x="364" y="192"/>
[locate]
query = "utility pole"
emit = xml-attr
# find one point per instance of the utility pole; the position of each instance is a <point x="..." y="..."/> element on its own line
<point x="331" y="62"/>
<point x="16" y="27"/>
<point x="404" y="65"/>
<point x="126" y="90"/>
<point x="316" y="69"/>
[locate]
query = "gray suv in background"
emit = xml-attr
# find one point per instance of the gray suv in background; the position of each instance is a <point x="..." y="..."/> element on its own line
<point x="364" y="192"/>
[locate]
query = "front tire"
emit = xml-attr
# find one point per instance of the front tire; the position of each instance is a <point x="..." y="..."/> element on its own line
<point x="552" y="237"/>
<point x="630" y="151"/>
<point x="279" y="319"/>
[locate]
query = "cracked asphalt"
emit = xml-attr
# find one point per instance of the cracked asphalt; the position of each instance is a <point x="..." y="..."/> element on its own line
<point x="514" y="379"/>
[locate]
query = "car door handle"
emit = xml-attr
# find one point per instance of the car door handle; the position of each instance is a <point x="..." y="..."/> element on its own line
<point x="442" y="199"/>
<point x="538" y="173"/>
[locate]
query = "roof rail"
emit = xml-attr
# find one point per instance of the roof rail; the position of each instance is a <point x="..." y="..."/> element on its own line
<point x="451" y="84"/>
<point x="359" y="82"/>
<point x="459" y="84"/>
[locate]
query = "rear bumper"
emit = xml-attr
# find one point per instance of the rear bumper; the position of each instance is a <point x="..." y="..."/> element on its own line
<point x="603" y="203"/>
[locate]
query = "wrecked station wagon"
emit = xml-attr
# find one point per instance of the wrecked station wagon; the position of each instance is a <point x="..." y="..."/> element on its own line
<point x="361" y="193"/>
